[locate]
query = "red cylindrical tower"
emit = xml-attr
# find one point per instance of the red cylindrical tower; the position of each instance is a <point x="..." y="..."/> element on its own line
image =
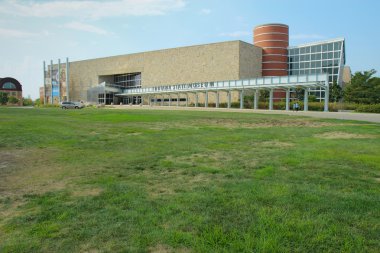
<point x="274" y="40"/>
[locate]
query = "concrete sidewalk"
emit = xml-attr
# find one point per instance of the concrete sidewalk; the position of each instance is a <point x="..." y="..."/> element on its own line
<point x="370" y="117"/>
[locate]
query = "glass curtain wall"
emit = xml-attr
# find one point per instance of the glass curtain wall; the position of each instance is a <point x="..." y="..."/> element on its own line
<point x="128" y="81"/>
<point x="323" y="57"/>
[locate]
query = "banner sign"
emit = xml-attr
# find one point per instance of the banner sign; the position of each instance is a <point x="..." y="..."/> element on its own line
<point x="184" y="86"/>
<point x="55" y="83"/>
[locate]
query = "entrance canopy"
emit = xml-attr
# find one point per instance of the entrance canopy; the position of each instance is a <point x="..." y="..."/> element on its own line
<point x="263" y="83"/>
<point x="275" y="82"/>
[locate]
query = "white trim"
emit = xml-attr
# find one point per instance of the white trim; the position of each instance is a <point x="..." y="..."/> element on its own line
<point x="270" y="33"/>
<point x="276" y="55"/>
<point x="271" y="25"/>
<point x="275" y="62"/>
<point x="275" y="47"/>
<point x="271" y="41"/>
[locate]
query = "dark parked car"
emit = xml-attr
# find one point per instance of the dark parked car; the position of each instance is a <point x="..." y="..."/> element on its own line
<point x="72" y="105"/>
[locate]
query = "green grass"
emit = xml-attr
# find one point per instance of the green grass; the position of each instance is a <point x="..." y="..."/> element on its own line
<point x="186" y="181"/>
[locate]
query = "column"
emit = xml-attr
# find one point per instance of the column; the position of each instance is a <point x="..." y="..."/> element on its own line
<point x="229" y="99"/>
<point x="271" y="99"/>
<point x="196" y="99"/>
<point x="256" y="101"/>
<point x="59" y="81"/>
<point x="326" y="109"/>
<point x="187" y="99"/>
<point x="44" y="83"/>
<point x="217" y="99"/>
<point x="51" y="80"/>
<point x="287" y="99"/>
<point x="170" y="99"/>
<point x="177" y="99"/>
<point x="67" y="80"/>
<point x="306" y="100"/>
<point x="206" y="99"/>
<point x="162" y="100"/>
<point x="241" y="99"/>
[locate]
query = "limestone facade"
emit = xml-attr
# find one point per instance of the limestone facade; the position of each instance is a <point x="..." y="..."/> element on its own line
<point x="231" y="60"/>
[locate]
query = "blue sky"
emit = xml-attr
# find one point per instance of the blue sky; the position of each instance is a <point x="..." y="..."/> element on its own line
<point x="34" y="31"/>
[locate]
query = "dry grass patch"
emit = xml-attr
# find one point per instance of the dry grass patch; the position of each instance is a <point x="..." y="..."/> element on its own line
<point x="88" y="192"/>
<point x="343" y="135"/>
<point x="30" y="171"/>
<point x="170" y="182"/>
<point x="275" y="144"/>
<point x="161" y="248"/>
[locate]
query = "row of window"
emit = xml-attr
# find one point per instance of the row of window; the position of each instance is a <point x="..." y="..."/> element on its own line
<point x="317" y="48"/>
<point x="330" y="71"/>
<point x="128" y="81"/>
<point x="314" y="57"/>
<point x="313" y="64"/>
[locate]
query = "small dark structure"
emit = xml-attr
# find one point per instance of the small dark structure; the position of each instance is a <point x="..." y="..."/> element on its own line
<point x="12" y="87"/>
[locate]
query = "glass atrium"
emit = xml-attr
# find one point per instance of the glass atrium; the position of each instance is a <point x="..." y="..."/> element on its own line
<point x="320" y="57"/>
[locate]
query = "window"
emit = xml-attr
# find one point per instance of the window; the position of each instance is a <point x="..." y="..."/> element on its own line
<point x="9" y="86"/>
<point x="337" y="46"/>
<point x="330" y="46"/>
<point x="129" y="81"/>
<point x="336" y="55"/>
<point x="302" y="50"/>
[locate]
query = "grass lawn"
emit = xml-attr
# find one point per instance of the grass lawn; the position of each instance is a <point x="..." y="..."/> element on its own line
<point x="186" y="181"/>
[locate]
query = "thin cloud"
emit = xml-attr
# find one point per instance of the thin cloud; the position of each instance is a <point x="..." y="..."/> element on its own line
<point x="12" y="33"/>
<point x="307" y="36"/>
<point x="205" y="11"/>
<point x="91" y="8"/>
<point x="235" y="34"/>
<point x="85" y="28"/>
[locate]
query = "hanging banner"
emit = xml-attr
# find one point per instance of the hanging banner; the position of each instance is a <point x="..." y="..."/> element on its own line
<point x="55" y="83"/>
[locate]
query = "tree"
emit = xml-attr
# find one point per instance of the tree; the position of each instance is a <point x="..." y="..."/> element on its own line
<point x="3" y="98"/>
<point x="363" y="88"/>
<point x="27" y="102"/>
<point x="335" y="92"/>
<point x="13" y="100"/>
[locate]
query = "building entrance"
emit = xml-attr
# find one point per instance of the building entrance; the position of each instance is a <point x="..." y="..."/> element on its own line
<point x="134" y="100"/>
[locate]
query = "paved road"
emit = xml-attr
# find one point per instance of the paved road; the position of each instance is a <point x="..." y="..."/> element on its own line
<point x="370" y="117"/>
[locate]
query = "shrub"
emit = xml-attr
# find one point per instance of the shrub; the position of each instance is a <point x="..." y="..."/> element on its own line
<point x="13" y="100"/>
<point x="3" y="98"/>
<point x="374" y="108"/>
<point x="27" y="102"/>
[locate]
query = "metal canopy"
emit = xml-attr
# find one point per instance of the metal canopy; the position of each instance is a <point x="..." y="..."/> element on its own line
<point x="275" y="82"/>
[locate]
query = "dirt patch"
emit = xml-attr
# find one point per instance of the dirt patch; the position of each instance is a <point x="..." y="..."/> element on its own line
<point x="343" y="135"/>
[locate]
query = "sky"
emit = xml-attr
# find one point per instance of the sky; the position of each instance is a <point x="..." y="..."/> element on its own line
<point x="35" y="31"/>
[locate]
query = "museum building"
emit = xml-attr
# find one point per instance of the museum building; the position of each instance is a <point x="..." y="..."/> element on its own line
<point x="202" y="74"/>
